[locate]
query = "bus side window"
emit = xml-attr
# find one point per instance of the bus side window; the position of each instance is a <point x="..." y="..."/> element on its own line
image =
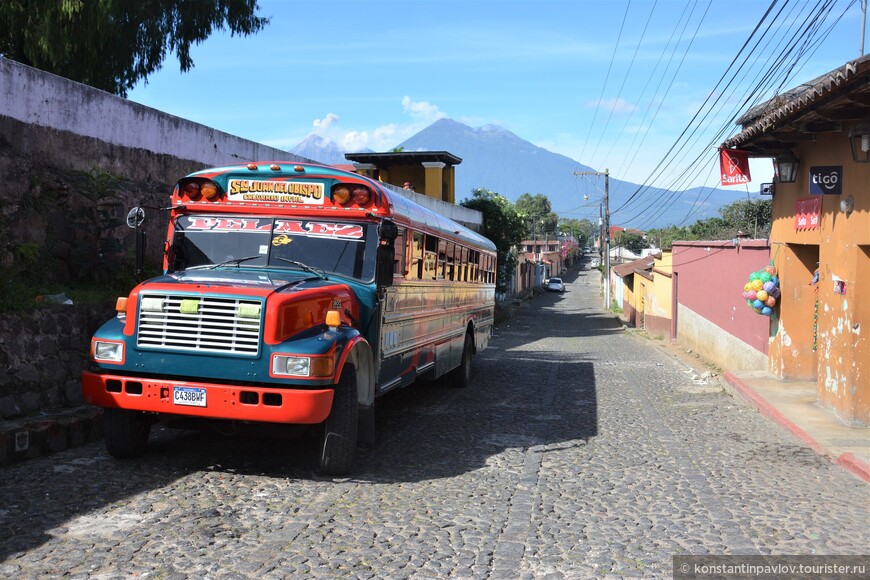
<point x="417" y="256"/>
<point x="472" y="266"/>
<point x="451" y="262"/>
<point x="443" y="255"/>
<point x="430" y="258"/>
<point x="401" y="254"/>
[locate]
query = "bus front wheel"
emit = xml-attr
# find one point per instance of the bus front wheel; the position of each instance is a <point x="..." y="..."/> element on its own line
<point x="338" y="441"/>
<point x="125" y="432"/>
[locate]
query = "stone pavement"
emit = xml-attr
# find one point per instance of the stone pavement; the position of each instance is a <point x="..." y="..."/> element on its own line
<point x="579" y="451"/>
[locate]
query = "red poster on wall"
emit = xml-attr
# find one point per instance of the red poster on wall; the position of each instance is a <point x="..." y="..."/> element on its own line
<point x="734" y="166"/>
<point x="806" y="213"/>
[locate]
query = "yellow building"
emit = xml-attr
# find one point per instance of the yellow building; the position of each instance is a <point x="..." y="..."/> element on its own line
<point x="819" y="137"/>
<point x="432" y="173"/>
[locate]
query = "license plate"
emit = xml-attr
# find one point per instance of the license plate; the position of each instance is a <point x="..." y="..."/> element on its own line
<point x="190" y="396"/>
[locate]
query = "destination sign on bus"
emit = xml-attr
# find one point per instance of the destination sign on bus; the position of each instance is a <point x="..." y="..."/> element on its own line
<point x="253" y="190"/>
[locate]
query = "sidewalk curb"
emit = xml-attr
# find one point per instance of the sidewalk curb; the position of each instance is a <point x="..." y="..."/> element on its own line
<point x="846" y="460"/>
<point x="36" y="436"/>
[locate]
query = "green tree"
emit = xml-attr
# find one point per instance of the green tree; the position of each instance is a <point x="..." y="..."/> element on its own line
<point x="582" y="230"/>
<point x="747" y="216"/>
<point x="113" y="44"/>
<point x="538" y="212"/>
<point x="753" y="217"/>
<point x="503" y="225"/>
<point x="632" y="242"/>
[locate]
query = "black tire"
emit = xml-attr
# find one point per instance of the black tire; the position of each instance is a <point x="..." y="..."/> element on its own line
<point x="339" y="438"/>
<point x="126" y="432"/>
<point x="460" y="377"/>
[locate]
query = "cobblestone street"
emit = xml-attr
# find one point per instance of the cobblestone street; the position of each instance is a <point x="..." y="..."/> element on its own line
<point x="580" y="450"/>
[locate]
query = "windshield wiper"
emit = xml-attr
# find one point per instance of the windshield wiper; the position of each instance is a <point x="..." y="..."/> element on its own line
<point x="233" y="262"/>
<point x="316" y="271"/>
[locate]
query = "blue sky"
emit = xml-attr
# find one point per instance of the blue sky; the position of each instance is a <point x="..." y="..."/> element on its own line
<point x="610" y="84"/>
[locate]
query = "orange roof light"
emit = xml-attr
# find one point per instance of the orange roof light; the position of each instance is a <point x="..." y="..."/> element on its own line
<point x="341" y="194"/>
<point x="361" y="195"/>
<point x="210" y="190"/>
<point x="192" y="190"/>
<point x="252" y="166"/>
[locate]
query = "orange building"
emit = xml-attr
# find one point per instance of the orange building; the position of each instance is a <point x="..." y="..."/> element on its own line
<point x="819" y="137"/>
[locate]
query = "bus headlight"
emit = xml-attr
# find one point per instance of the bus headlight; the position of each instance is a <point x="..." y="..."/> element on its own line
<point x="297" y="366"/>
<point x="108" y="351"/>
<point x="302" y="366"/>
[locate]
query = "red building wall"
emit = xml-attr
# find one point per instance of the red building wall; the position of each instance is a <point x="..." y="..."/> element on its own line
<point x="709" y="282"/>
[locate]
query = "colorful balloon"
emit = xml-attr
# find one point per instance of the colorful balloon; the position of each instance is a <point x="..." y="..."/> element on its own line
<point x="757" y="303"/>
<point x="771" y="301"/>
<point x="757" y="284"/>
<point x="768" y="286"/>
<point x="761" y="295"/>
<point x="764" y="277"/>
<point x="767" y="310"/>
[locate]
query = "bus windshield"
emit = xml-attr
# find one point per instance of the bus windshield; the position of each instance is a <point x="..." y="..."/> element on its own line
<point x="343" y="248"/>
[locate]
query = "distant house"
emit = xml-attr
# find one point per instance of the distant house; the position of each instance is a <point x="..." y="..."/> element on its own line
<point x="631" y="282"/>
<point x="819" y="137"/>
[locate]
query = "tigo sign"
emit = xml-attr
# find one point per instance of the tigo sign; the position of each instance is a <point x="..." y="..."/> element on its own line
<point x="826" y="180"/>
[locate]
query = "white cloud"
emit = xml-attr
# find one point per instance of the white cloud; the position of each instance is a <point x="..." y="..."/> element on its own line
<point x="383" y="137"/>
<point x="422" y="111"/>
<point x="326" y="122"/>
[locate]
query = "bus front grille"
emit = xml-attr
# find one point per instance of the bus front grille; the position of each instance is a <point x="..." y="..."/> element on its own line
<point x="200" y="324"/>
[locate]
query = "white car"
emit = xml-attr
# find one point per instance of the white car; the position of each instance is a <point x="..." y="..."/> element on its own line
<point x="554" y="285"/>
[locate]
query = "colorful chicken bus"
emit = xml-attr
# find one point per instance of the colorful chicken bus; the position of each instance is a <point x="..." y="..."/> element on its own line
<point x="291" y="294"/>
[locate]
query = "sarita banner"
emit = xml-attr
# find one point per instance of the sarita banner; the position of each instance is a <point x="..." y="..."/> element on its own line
<point x="734" y="167"/>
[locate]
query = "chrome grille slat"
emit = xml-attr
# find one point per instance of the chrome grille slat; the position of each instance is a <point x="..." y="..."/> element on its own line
<point x="216" y="327"/>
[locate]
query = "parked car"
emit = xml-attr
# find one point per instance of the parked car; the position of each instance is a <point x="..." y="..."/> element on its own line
<point x="554" y="285"/>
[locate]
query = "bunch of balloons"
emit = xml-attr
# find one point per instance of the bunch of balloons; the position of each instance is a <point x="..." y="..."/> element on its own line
<point x="762" y="290"/>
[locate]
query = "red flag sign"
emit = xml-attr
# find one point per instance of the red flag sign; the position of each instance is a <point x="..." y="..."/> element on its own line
<point x="734" y="166"/>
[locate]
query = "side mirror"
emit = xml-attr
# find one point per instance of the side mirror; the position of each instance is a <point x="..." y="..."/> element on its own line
<point x="384" y="273"/>
<point x="386" y="254"/>
<point x="135" y="217"/>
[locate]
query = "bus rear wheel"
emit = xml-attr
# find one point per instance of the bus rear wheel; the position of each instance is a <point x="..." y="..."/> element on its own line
<point x="126" y="432"/>
<point x="339" y="438"/>
<point x="460" y="377"/>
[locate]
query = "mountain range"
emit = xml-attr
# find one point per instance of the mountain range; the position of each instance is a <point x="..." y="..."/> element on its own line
<point x="500" y="161"/>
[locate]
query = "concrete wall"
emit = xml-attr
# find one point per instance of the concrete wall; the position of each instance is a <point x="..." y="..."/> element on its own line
<point x="726" y="350"/>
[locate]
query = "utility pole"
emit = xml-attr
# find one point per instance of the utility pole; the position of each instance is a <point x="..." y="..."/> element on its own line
<point x="606" y="238"/>
<point x="863" y="23"/>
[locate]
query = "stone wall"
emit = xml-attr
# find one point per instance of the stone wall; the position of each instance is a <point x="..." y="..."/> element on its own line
<point x="42" y="355"/>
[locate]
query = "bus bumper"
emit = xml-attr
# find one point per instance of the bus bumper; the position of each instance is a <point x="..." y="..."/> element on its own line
<point x="196" y="399"/>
